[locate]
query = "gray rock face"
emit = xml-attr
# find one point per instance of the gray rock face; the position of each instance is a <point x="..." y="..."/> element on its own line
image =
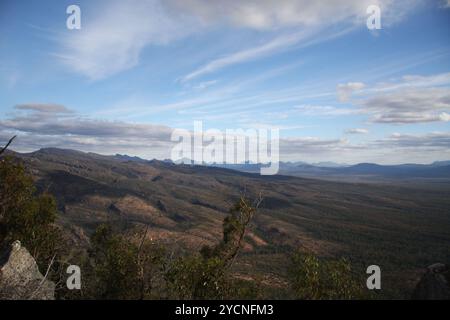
<point x="434" y="284"/>
<point x="20" y="278"/>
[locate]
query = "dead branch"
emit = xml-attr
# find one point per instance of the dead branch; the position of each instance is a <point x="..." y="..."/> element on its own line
<point x="7" y="145"/>
<point x="43" y="279"/>
<point x="140" y="263"/>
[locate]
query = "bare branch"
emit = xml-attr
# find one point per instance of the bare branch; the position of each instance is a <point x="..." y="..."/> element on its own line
<point x="140" y="263"/>
<point x="43" y="279"/>
<point x="7" y="145"/>
<point x="259" y="201"/>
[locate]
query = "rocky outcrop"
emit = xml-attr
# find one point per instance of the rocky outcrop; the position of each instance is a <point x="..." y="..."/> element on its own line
<point x="434" y="284"/>
<point x="20" y="278"/>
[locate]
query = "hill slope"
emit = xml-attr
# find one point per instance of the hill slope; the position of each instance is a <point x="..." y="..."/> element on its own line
<point x="399" y="228"/>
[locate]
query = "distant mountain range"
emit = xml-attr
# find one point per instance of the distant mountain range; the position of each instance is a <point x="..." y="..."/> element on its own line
<point x="439" y="169"/>
<point x="320" y="170"/>
<point x="328" y="169"/>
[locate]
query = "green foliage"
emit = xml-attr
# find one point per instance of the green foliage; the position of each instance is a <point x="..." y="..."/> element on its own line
<point x="207" y="276"/>
<point x="314" y="278"/>
<point x="126" y="266"/>
<point x="115" y="265"/>
<point x="119" y="268"/>
<point x="234" y="228"/>
<point x="194" y="277"/>
<point x="26" y="216"/>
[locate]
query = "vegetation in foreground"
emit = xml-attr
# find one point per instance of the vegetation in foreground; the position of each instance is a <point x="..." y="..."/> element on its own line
<point x="124" y="264"/>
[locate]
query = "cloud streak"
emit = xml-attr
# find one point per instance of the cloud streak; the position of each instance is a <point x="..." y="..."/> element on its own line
<point x="357" y="131"/>
<point x="246" y="55"/>
<point x="408" y="100"/>
<point x="41" y="129"/>
<point x="43" y="107"/>
<point x="272" y="14"/>
<point x="113" y="40"/>
<point x="345" y="90"/>
<point x="435" y="140"/>
<point x="410" y="106"/>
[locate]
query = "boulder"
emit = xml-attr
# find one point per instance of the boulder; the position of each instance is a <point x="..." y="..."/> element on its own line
<point x="20" y="278"/>
<point x="434" y="284"/>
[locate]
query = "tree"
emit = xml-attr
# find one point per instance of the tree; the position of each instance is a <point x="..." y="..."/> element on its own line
<point x="313" y="278"/>
<point x="121" y="269"/>
<point x="207" y="275"/>
<point x="26" y="215"/>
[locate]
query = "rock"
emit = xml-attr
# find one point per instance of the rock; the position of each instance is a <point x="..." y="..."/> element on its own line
<point x="20" y="278"/>
<point x="434" y="284"/>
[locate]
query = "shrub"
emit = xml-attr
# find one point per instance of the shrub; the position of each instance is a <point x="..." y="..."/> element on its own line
<point x="25" y="215"/>
<point x="314" y="278"/>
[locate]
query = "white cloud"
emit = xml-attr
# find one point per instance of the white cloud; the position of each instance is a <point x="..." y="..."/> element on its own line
<point x="205" y="84"/>
<point x="444" y="116"/>
<point x="112" y="40"/>
<point x="434" y="140"/>
<point x="41" y="126"/>
<point x="409" y="106"/>
<point x="313" y="110"/>
<point x="41" y="129"/>
<point x="409" y="99"/>
<point x="273" y="14"/>
<point x="313" y="18"/>
<point x="413" y="81"/>
<point x="415" y="148"/>
<point x="345" y="90"/>
<point x="43" y="107"/>
<point x="445" y="3"/>
<point x="246" y="55"/>
<point x="308" y="144"/>
<point x="357" y="131"/>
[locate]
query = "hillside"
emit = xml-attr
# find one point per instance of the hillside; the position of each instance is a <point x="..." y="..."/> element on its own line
<point x="400" y="228"/>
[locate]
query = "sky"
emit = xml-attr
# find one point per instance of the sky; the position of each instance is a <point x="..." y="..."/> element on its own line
<point x="137" y="70"/>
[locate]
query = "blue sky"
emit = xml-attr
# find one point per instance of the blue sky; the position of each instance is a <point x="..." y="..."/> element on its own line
<point x="138" y="69"/>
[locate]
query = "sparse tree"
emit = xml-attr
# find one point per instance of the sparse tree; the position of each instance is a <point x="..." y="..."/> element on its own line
<point x="119" y="268"/>
<point x="26" y="215"/>
<point x="207" y="275"/>
<point x="313" y="278"/>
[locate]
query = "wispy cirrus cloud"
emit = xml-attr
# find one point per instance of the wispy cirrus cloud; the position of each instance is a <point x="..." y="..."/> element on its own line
<point x="43" y="107"/>
<point x="273" y="15"/>
<point x="245" y="55"/>
<point x="357" y="131"/>
<point x="317" y="110"/>
<point x="434" y="140"/>
<point x="114" y="39"/>
<point x="312" y="18"/>
<point x="310" y="144"/>
<point x="413" y="81"/>
<point x="205" y="84"/>
<point x="345" y="90"/>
